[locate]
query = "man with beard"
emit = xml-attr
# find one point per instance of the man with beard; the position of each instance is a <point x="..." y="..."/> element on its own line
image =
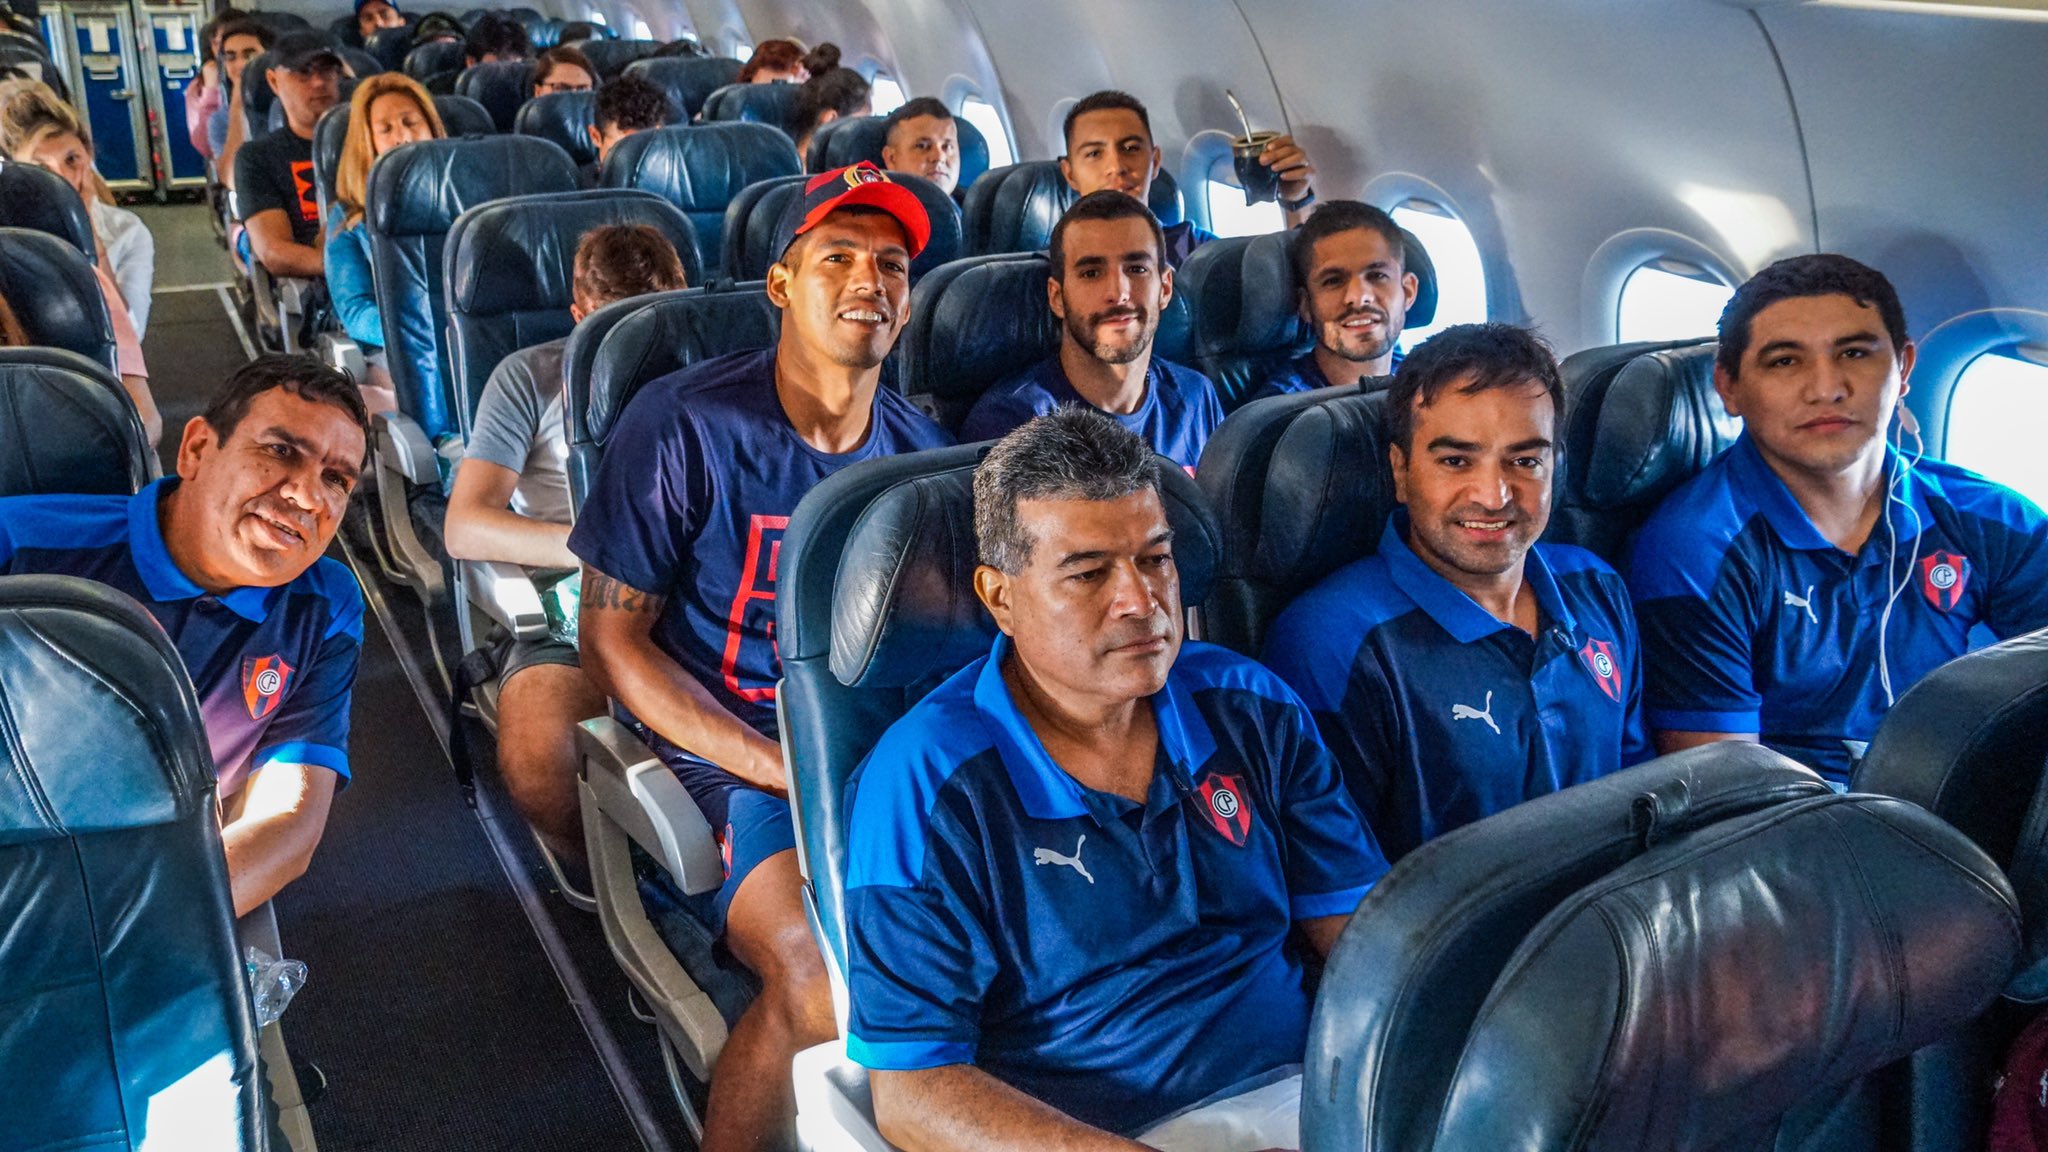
<point x="1464" y="668"/>
<point x="274" y="174"/>
<point x="679" y="539"/>
<point x="1354" y="290"/>
<point x="1109" y="283"/>
<point x="226" y="556"/>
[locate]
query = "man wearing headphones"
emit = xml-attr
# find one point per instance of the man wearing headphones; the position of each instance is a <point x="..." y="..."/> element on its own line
<point x="1799" y="585"/>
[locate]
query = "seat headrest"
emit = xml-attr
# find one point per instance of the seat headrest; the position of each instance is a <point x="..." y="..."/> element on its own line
<point x="51" y="286"/>
<point x="360" y="62"/>
<point x="389" y="46"/>
<point x="1636" y="1009"/>
<point x="610" y="57"/>
<point x="773" y="104"/>
<point x="461" y="116"/>
<point x="1654" y="423"/>
<point x="700" y="167"/>
<point x="852" y="139"/>
<point x="501" y="86"/>
<point x="127" y="709"/>
<point x="433" y="58"/>
<point x="1030" y="198"/>
<point x="330" y="132"/>
<point x="256" y="94"/>
<point x="32" y="196"/>
<point x="689" y="81"/>
<point x="67" y="427"/>
<point x="1164" y="199"/>
<point x="973" y="323"/>
<point x="419" y="189"/>
<point x="545" y="34"/>
<point x="564" y="118"/>
<point x="904" y="610"/>
<point x="752" y="216"/>
<point x="518" y="254"/>
<point x="1329" y="490"/>
<point x="1969" y="743"/>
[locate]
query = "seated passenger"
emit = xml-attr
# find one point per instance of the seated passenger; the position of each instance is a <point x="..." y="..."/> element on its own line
<point x="577" y="31"/>
<point x="627" y="105"/>
<point x="387" y="110"/>
<point x="53" y="136"/>
<point x="511" y="504"/>
<point x="1465" y="668"/>
<point x="1354" y="290"/>
<point x="1041" y="945"/>
<point x="227" y="556"/>
<point x="678" y="539"/>
<point x="372" y="16"/>
<point x="203" y="95"/>
<point x="1813" y="572"/>
<point x="1108" y="287"/>
<point x="830" y="93"/>
<point x="562" y="70"/>
<point x="274" y="173"/>
<point x="241" y="40"/>
<point x="1109" y="145"/>
<point x="924" y="141"/>
<point x="495" y="38"/>
<point x="775" y="61"/>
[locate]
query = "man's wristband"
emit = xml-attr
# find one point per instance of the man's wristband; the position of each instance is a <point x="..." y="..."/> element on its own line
<point x="1307" y="198"/>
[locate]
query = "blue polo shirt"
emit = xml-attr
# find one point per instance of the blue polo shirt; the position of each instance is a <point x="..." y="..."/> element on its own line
<point x="1178" y="414"/>
<point x="274" y="667"/>
<point x="1303" y="374"/>
<point x="1438" y="712"/>
<point x="1754" y="622"/>
<point x="699" y="480"/>
<point x="1119" y="961"/>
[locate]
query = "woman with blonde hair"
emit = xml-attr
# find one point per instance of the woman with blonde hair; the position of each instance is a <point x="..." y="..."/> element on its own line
<point x="389" y="109"/>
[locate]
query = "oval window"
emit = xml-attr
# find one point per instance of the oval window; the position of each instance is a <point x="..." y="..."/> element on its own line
<point x="1995" y="414"/>
<point x="1460" y="274"/>
<point x="1669" y="300"/>
<point x="984" y="117"/>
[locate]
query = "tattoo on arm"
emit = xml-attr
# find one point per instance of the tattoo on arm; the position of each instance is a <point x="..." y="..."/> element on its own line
<point x="611" y="594"/>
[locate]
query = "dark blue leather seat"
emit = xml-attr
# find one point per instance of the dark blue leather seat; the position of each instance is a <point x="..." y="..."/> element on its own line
<point x="976" y="321"/>
<point x="1013" y="209"/>
<point x="51" y="287"/>
<point x="416" y="193"/>
<point x="361" y="63"/>
<point x="852" y="139"/>
<point x="256" y="94"/>
<point x="700" y="168"/>
<point x="460" y="116"/>
<point x="688" y="80"/>
<point x="563" y="117"/>
<point x="750" y="225"/>
<point x="35" y="197"/>
<point x="125" y="988"/>
<point x="1640" y="419"/>
<point x="545" y="34"/>
<point x="500" y="86"/>
<point x="1247" y="311"/>
<point x="434" y="58"/>
<point x="390" y="45"/>
<point x="773" y="104"/>
<point x="67" y="426"/>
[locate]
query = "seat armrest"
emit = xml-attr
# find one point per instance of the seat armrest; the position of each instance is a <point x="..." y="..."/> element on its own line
<point x="402" y="446"/>
<point x="643" y="796"/>
<point x="506" y="594"/>
<point x="834" y="1107"/>
<point x="337" y="349"/>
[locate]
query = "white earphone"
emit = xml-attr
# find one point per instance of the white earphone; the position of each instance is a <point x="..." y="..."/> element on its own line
<point x="1904" y="425"/>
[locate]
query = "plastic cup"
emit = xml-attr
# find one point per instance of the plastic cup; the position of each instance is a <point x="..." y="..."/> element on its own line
<point x="1261" y="184"/>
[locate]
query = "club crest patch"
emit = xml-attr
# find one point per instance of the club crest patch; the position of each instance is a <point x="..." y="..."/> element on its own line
<point x="263" y="683"/>
<point x="1942" y="579"/>
<point x="1227" y="806"/>
<point x="1598" y="656"/>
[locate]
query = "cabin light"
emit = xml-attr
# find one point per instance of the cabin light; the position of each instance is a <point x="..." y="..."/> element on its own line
<point x="1941" y="8"/>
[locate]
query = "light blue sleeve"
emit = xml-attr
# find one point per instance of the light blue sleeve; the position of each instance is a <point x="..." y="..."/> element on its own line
<point x="349" y="286"/>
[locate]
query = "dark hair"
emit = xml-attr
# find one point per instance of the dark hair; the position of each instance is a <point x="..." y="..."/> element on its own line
<point x="841" y="90"/>
<point x="576" y="30"/>
<point x="555" y="58"/>
<point x="248" y="26"/>
<point x="620" y="261"/>
<point x="1071" y="453"/>
<point x="822" y="59"/>
<point x="913" y="109"/>
<point x="631" y="103"/>
<point x="307" y="377"/>
<point x="1485" y="356"/>
<point x="437" y="26"/>
<point x="211" y="30"/>
<point x="496" y="34"/>
<point x="1108" y="204"/>
<point x="1821" y="274"/>
<point x="1339" y="216"/>
<point x="1104" y="101"/>
<point x="772" y="56"/>
<point x="684" y="47"/>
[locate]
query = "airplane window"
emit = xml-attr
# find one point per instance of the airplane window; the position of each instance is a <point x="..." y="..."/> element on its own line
<point x="1670" y="300"/>
<point x="983" y="116"/>
<point x="641" y="31"/>
<point x="1460" y="276"/>
<point x="597" y="17"/>
<point x="1229" y="215"/>
<point x="1995" y="414"/>
<point x="885" y="95"/>
<point x="741" y="50"/>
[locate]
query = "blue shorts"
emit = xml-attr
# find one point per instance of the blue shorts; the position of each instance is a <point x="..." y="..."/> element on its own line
<point x="757" y="826"/>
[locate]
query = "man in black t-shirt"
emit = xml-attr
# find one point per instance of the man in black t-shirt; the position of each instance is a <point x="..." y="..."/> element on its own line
<point x="274" y="173"/>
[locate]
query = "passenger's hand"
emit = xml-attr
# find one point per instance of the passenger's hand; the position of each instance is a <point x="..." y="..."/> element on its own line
<point x="209" y="74"/>
<point x="1291" y="164"/>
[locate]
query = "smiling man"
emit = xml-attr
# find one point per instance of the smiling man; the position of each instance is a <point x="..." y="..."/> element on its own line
<point x="227" y="557"/>
<point x="679" y="539"/>
<point x="1109" y="284"/>
<point x="1353" y="288"/>
<point x="1792" y="591"/>
<point x="1464" y="668"/>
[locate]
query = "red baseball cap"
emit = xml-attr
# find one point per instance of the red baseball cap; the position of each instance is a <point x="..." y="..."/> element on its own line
<point x="856" y="184"/>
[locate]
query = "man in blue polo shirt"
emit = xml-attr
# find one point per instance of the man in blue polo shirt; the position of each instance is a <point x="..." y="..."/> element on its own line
<point x="227" y="557"/>
<point x="679" y="539"/>
<point x="1354" y="290"/>
<point x="1464" y="668"/>
<point x="1108" y="287"/>
<point x="1074" y="866"/>
<point x="1792" y="591"/>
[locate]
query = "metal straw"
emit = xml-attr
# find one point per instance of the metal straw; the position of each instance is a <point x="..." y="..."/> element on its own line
<point x="1241" y="117"/>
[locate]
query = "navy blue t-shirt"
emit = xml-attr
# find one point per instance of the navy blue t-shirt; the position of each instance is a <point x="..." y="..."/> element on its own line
<point x="273" y="667"/>
<point x="698" y="482"/>
<point x="1181" y="241"/>
<point x="1438" y="712"/>
<point x="1119" y="961"/>
<point x="1303" y="374"/>
<point x="1754" y="622"/>
<point x="1179" y="412"/>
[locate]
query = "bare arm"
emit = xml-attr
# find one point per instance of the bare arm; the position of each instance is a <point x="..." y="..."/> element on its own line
<point x="1322" y="932"/>
<point x="270" y="238"/>
<point x="615" y="625"/>
<point x="481" y="526"/>
<point x="960" y="1106"/>
<point x="224" y="164"/>
<point x="1291" y="164"/>
<point x="273" y="826"/>
<point x="1669" y="742"/>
